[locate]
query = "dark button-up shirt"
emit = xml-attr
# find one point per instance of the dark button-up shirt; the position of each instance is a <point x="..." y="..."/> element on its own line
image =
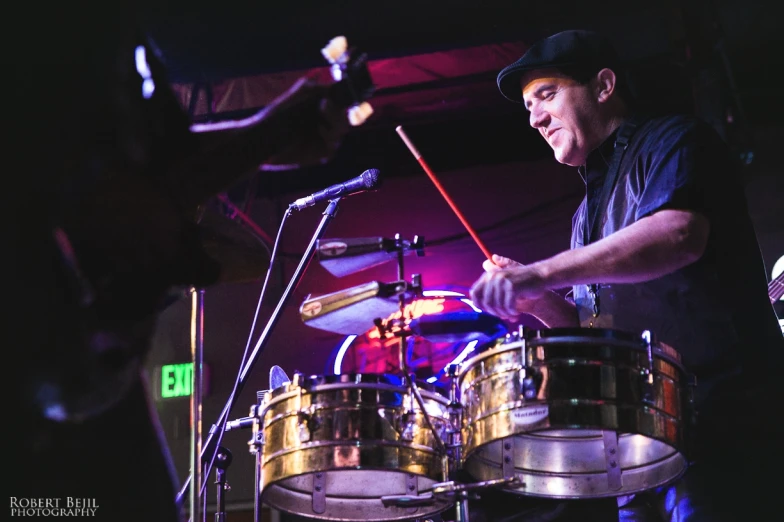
<point x="715" y="312"/>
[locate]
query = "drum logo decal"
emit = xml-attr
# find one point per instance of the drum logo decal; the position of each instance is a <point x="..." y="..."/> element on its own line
<point x="332" y="249"/>
<point x="530" y="415"/>
<point x="311" y="309"/>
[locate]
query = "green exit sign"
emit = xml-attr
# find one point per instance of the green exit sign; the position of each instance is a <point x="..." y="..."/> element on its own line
<point x="176" y="380"/>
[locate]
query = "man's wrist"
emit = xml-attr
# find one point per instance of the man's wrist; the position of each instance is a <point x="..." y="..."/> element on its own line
<point x="545" y="274"/>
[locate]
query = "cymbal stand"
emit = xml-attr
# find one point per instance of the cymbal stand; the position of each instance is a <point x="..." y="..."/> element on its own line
<point x="404" y="333"/>
<point x="400" y="329"/>
<point x="449" y="490"/>
<point x="210" y="443"/>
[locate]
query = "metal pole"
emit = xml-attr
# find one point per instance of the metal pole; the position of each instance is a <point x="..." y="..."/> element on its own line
<point x="197" y="357"/>
<point x="461" y="510"/>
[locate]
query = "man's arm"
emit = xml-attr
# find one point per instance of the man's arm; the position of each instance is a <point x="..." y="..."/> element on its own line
<point x="651" y="247"/>
<point x="551" y="309"/>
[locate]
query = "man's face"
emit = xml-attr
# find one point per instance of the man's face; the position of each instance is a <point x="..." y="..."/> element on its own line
<point x="564" y="112"/>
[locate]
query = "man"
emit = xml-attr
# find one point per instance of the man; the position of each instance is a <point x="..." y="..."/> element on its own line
<point x="108" y="177"/>
<point x="665" y="245"/>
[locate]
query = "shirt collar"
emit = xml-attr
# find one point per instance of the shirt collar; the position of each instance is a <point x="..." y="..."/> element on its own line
<point x="598" y="161"/>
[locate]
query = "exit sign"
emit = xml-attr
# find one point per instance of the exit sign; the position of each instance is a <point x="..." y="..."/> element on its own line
<point x="176" y="380"/>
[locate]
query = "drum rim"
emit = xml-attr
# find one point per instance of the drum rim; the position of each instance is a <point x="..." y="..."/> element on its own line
<point x="318" y="379"/>
<point x="564" y="335"/>
<point x="352" y="381"/>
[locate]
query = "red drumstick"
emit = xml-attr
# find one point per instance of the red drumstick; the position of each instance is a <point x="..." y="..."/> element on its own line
<point x="440" y="188"/>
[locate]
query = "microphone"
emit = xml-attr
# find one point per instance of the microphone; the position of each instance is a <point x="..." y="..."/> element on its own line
<point x="368" y="180"/>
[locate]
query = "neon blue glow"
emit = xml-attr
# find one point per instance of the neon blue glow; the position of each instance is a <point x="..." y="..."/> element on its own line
<point x="442" y="293"/>
<point x="431" y="380"/>
<point x="470" y="347"/>
<point x="143" y="68"/>
<point x="670" y="499"/>
<point x="342" y="353"/>
<point x="471" y="304"/>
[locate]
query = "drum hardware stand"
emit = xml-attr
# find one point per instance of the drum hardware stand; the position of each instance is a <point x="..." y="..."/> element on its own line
<point x="222" y="462"/>
<point x="448" y="491"/>
<point x="208" y="447"/>
<point x="455" y="437"/>
<point x="255" y="443"/>
<point x="454" y="429"/>
<point x="400" y="329"/>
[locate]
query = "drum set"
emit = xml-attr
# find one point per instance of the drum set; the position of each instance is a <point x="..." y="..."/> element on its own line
<point x="561" y="413"/>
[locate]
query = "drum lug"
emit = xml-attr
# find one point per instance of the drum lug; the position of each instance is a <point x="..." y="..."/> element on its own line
<point x="257" y="437"/>
<point x="612" y="459"/>
<point x="257" y="440"/>
<point x="527" y="385"/>
<point x="508" y="457"/>
<point x="319" y="492"/>
<point x="407" y="426"/>
<point x="305" y="426"/>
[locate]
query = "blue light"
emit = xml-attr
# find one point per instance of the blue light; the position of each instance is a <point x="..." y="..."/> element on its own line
<point x="143" y="68"/>
<point x="470" y="347"/>
<point x="342" y="353"/>
<point x="471" y="304"/>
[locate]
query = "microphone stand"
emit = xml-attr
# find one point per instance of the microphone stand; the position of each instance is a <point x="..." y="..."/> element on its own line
<point x="209" y="444"/>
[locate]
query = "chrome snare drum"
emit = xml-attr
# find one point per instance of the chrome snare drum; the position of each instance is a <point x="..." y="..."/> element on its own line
<point x="333" y="446"/>
<point x="576" y="413"/>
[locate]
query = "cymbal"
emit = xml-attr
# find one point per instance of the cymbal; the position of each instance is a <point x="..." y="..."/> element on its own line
<point x="459" y="327"/>
<point x="354" y="310"/>
<point x="345" y="256"/>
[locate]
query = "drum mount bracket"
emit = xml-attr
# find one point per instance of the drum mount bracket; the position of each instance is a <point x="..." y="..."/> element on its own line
<point x="446" y="491"/>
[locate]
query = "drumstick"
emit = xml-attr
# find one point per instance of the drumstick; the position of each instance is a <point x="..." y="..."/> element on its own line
<point x="441" y="189"/>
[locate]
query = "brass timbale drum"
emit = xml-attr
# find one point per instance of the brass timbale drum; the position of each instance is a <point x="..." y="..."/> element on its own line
<point x="576" y="413"/>
<point x="333" y="446"/>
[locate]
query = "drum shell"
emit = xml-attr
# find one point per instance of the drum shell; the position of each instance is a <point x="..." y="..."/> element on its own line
<point x="349" y="431"/>
<point x="547" y="398"/>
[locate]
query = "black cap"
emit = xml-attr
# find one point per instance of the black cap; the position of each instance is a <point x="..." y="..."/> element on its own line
<point x="565" y="49"/>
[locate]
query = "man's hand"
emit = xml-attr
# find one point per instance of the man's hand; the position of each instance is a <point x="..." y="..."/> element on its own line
<point x="498" y="263"/>
<point x="507" y="288"/>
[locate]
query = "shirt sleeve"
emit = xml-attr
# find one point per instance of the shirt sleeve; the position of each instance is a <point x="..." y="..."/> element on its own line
<point x="687" y="163"/>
